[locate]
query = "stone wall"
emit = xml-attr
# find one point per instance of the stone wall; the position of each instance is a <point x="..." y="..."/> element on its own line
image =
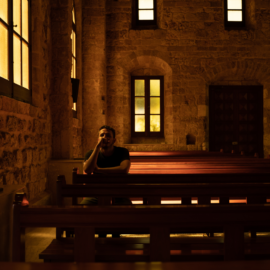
<point x="25" y="130"/>
<point x="94" y="70"/>
<point x="192" y="41"/>
<point x="61" y="92"/>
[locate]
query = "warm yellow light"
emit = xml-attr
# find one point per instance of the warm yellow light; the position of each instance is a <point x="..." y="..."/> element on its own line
<point x="74" y="44"/>
<point x="17" y="59"/>
<point x="139" y="105"/>
<point x="146" y="4"/>
<point x="154" y="105"/>
<point x="73" y="16"/>
<point x="74" y="107"/>
<point x="3" y="51"/>
<point x="146" y="15"/>
<point x="139" y="87"/>
<point x="234" y="4"/>
<point x="25" y="59"/>
<point x="154" y="87"/>
<point x="17" y="15"/>
<point x="235" y="16"/>
<point x="25" y="19"/>
<point x="154" y="123"/>
<point x="4" y="10"/>
<point x="139" y="123"/>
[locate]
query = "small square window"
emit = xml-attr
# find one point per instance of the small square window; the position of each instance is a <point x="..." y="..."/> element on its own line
<point x="144" y="14"/>
<point x="234" y="14"/>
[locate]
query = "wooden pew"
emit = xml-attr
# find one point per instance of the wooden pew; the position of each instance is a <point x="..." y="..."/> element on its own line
<point x="232" y="220"/>
<point x="233" y="265"/>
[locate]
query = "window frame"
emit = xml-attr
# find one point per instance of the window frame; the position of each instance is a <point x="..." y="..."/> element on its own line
<point x="74" y="57"/>
<point x="234" y="25"/>
<point x="7" y="86"/>
<point x="147" y="132"/>
<point x="143" y="24"/>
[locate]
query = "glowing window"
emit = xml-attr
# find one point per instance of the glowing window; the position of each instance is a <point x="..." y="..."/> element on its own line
<point x="234" y="13"/>
<point x="144" y="13"/>
<point x="147" y="106"/>
<point x="73" y="58"/>
<point x="15" y="49"/>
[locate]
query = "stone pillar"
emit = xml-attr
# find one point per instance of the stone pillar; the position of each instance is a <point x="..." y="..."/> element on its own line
<point x="61" y="94"/>
<point x="93" y="70"/>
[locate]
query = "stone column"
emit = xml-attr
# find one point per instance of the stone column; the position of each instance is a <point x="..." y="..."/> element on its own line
<point x="61" y="94"/>
<point x="93" y="70"/>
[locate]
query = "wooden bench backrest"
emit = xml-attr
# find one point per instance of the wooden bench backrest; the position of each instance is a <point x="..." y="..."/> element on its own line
<point x="233" y="220"/>
<point x="254" y="192"/>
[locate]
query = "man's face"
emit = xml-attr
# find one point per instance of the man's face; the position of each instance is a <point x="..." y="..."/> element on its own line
<point x="107" y="137"/>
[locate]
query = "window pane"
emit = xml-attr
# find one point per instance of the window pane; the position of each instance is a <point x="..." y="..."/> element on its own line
<point x="234" y="4"/>
<point x="74" y="44"/>
<point x="139" y="123"/>
<point x="154" y="87"/>
<point x="25" y="19"/>
<point x="74" y="107"/>
<point x="25" y="54"/>
<point x="74" y="67"/>
<point x="73" y="16"/>
<point x="17" y="59"/>
<point x="3" y="51"/>
<point x="234" y="16"/>
<point x="139" y="87"/>
<point x="4" y="10"/>
<point x="17" y="15"/>
<point x="146" y="15"/>
<point x="154" y="105"/>
<point x="149" y="4"/>
<point x="154" y="123"/>
<point x="139" y="105"/>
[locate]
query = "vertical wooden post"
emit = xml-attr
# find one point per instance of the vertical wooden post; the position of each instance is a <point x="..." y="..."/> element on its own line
<point x="18" y="239"/>
<point x="204" y="200"/>
<point x="159" y="244"/>
<point x="186" y="200"/>
<point x="75" y="171"/>
<point x="104" y="200"/>
<point x="154" y="200"/>
<point x="233" y="242"/>
<point x="84" y="246"/>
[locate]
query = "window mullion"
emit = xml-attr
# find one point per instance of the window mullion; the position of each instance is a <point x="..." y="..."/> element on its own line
<point x="147" y="106"/>
<point x="10" y="46"/>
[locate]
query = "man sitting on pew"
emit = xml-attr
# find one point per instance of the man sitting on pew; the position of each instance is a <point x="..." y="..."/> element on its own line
<point x="107" y="159"/>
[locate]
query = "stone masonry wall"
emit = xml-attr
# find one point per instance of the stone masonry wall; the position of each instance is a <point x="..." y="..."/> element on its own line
<point x="25" y="130"/>
<point x="192" y="41"/>
<point x="61" y="93"/>
<point x="93" y="70"/>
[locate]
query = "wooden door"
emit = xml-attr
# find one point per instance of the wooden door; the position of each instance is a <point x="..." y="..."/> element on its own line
<point x="236" y="119"/>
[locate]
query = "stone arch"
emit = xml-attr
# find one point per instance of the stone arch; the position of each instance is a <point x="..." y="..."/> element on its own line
<point x="118" y="92"/>
<point x="246" y="72"/>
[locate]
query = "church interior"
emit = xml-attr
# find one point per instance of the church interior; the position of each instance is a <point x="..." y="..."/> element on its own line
<point x="186" y="86"/>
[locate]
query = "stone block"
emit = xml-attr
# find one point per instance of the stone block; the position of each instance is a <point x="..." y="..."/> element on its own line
<point x="2" y="122"/>
<point x="266" y="139"/>
<point x="9" y="104"/>
<point x="266" y="103"/>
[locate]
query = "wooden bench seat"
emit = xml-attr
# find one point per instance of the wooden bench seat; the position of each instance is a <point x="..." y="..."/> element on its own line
<point x="233" y="220"/>
<point x="232" y="265"/>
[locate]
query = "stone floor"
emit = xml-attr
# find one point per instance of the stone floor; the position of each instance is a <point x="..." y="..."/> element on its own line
<point x="36" y="240"/>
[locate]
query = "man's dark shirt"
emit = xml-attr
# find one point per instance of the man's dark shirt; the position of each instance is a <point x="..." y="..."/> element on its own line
<point x="119" y="154"/>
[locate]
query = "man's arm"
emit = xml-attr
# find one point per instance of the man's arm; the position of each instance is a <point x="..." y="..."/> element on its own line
<point x="122" y="169"/>
<point x="90" y="164"/>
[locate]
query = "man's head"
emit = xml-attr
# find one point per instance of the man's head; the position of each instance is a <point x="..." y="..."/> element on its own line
<point x="107" y="133"/>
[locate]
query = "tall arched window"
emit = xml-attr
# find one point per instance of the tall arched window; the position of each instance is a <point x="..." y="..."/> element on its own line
<point x="15" y="75"/>
<point x="74" y="64"/>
